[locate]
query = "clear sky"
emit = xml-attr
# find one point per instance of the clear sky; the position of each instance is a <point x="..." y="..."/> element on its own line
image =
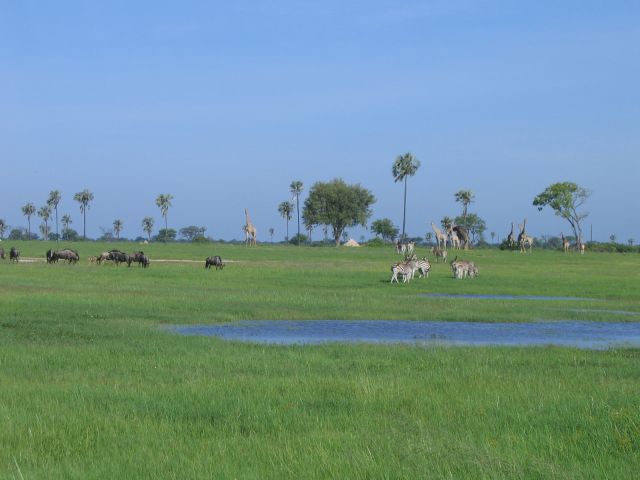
<point x="223" y="104"/>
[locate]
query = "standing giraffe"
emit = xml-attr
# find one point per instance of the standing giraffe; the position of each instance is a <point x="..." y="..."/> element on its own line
<point x="441" y="237"/>
<point x="565" y="242"/>
<point x="454" y="239"/>
<point x="511" y="239"/>
<point x="250" y="231"/>
<point x="525" y="240"/>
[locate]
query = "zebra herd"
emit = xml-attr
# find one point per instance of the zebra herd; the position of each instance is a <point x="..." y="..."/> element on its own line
<point x="411" y="265"/>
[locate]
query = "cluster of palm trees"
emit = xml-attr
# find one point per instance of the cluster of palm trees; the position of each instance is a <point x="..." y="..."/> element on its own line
<point x="84" y="198"/>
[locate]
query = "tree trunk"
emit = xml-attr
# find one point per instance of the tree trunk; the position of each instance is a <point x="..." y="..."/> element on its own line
<point x="287" y="237"/>
<point x="337" y="233"/>
<point x="84" y="223"/>
<point x="404" y="210"/>
<point x="29" y="232"/>
<point x="57" y="231"/>
<point x="298" y="211"/>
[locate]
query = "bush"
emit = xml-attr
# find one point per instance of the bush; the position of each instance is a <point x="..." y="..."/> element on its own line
<point x="377" y="242"/>
<point x="298" y="239"/>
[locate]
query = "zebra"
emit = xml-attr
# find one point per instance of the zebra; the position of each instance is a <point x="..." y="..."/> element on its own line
<point x="463" y="269"/>
<point x="402" y="269"/>
<point x="423" y="267"/>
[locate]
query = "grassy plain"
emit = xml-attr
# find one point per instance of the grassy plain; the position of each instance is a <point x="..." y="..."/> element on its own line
<point x="92" y="386"/>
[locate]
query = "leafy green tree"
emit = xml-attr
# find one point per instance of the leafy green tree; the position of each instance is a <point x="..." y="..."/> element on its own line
<point x="118" y="225"/>
<point x="147" y="226"/>
<point x="54" y="199"/>
<point x="465" y="197"/>
<point x="338" y="205"/>
<point x="166" y="235"/>
<point x="28" y="210"/>
<point x="403" y="167"/>
<point x="192" y="232"/>
<point x="3" y="227"/>
<point x="446" y="222"/>
<point x="476" y="226"/>
<point x="84" y="198"/>
<point x="285" y="209"/>
<point x="565" y="199"/>
<point x="613" y="238"/>
<point x="164" y="202"/>
<point x="44" y="213"/>
<point x="296" y="188"/>
<point x="384" y="228"/>
<point x="66" y="221"/>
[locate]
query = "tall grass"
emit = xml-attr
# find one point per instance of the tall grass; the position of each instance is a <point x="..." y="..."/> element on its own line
<point x="92" y="386"/>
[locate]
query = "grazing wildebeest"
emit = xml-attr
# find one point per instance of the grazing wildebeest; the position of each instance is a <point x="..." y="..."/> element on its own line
<point x="1" y="253"/>
<point x="216" y="261"/>
<point x="136" y="257"/>
<point x="103" y="257"/>
<point x="118" y="257"/>
<point x="14" y="255"/>
<point x="67" y="254"/>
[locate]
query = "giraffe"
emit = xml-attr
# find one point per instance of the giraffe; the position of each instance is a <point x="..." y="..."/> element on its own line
<point x="511" y="240"/>
<point x="524" y="240"/>
<point x="441" y="237"/>
<point x="250" y="231"/>
<point x="565" y="242"/>
<point x="454" y="239"/>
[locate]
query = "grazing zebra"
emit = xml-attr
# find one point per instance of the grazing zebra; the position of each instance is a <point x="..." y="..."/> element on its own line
<point x="423" y="267"/>
<point x="463" y="269"/>
<point x="439" y="253"/>
<point x="402" y="269"/>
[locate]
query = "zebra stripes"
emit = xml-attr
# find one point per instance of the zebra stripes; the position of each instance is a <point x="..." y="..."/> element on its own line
<point x="408" y="269"/>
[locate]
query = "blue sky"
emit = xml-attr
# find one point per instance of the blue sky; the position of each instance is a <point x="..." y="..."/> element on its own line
<point x="223" y="104"/>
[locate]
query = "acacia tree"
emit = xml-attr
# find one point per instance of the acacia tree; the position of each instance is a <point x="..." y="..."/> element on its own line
<point x="28" y="210"/>
<point x="118" y="225"/>
<point x="565" y="198"/>
<point x="403" y="167"/>
<point x="3" y="227"/>
<point x="285" y="208"/>
<point x="84" y="198"/>
<point x="338" y="205"/>
<point x="164" y="202"/>
<point x="54" y="199"/>
<point x="44" y="213"/>
<point x="66" y="221"/>
<point x="465" y="197"/>
<point x="296" y="189"/>
<point x="147" y="225"/>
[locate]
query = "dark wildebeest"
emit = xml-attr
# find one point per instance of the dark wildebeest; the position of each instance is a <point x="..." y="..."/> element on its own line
<point x="14" y="255"/>
<point x="67" y="254"/>
<point x="138" y="257"/>
<point x="1" y="253"/>
<point x="118" y="257"/>
<point x="216" y="261"/>
<point x="50" y="257"/>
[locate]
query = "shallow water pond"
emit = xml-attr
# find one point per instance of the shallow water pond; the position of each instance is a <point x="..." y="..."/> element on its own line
<point x="592" y="335"/>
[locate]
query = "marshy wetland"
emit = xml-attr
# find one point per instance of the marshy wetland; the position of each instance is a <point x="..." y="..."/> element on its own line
<point x="91" y="368"/>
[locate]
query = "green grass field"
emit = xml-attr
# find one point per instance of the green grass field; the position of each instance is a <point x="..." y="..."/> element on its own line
<point x="93" y="386"/>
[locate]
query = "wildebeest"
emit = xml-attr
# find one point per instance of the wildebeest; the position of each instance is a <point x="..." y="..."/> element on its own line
<point x="1" y="253"/>
<point x="67" y="254"/>
<point x="216" y="261"/>
<point x="14" y="255"/>
<point x="138" y="257"/>
<point x="117" y="256"/>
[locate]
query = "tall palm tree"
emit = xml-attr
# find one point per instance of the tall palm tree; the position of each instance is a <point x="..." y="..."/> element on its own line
<point x="271" y="232"/>
<point x="117" y="227"/>
<point x="296" y="189"/>
<point x="403" y="167"/>
<point x="44" y="213"/>
<point x="84" y="198"/>
<point x="54" y="199"/>
<point x="66" y="221"/>
<point x="465" y="197"/>
<point x="285" y="209"/>
<point x="3" y="227"/>
<point x="28" y="210"/>
<point x="164" y="202"/>
<point x="147" y="225"/>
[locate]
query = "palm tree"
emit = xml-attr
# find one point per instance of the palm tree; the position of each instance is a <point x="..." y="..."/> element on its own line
<point x="54" y="199"/>
<point x="66" y="221"/>
<point x="84" y="198"/>
<point x="403" y="167"/>
<point x="44" y="213"/>
<point x="285" y="209"/>
<point x="271" y="232"/>
<point x="147" y="225"/>
<point x="465" y="197"/>
<point x="164" y="202"/>
<point x="493" y="236"/>
<point x="296" y="189"/>
<point x="117" y="227"/>
<point x="28" y="210"/>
